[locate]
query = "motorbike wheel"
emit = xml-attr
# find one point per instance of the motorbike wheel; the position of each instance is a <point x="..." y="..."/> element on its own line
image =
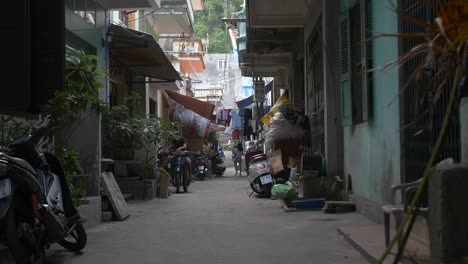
<point x="255" y="188"/>
<point x="186" y="182"/>
<point x="177" y="182"/>
<point x="77" y="240"/>
<point x="264" y="191"/>
<point x="18" y="248"/>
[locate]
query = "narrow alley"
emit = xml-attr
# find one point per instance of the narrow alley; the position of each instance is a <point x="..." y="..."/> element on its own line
<point x="216" y="222"/>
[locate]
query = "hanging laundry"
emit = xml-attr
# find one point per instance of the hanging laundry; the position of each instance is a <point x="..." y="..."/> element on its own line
<point x="235" y="134"/>
<point x="253" y="123"/>
<point x="236" y="121"/>
<point x="224" y="114"/>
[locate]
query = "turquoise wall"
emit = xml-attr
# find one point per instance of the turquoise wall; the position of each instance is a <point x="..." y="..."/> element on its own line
<point x="86" y="139"/>
<point x="372" y="149"/>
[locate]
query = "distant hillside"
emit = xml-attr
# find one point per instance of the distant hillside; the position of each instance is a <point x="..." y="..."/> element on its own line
<point x="208" y="22"/>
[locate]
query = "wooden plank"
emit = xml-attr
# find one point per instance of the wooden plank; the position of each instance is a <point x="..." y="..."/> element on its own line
<point x="115" y="196"/>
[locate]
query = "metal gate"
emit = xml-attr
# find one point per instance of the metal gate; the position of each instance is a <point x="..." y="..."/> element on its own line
<point x="420" y="118"/>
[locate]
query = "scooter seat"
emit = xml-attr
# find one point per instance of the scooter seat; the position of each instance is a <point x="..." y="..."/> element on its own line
<point x="258" y="158"/>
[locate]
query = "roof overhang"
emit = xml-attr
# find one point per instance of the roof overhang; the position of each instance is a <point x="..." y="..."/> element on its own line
<point x="264" y="65"/>
<point x="277" y="14"/>
<point x="191" y="63"/>
<point x="274" y="35"/>
<point x="130" y="4"/>
<point x="174" y="19"/>
<point x="170" y="86"/>
<point x="141" y="53"/>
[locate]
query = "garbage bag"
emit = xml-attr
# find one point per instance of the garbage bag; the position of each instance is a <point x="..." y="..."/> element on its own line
<point x="281" y="128"/>
<point x="284" y="191"/>
<point x="283" y="100"/>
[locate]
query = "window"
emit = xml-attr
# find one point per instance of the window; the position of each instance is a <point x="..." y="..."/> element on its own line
<point x="84" y="8"/>
<point x="356" y="55"/>
<point x="222" y="65"/>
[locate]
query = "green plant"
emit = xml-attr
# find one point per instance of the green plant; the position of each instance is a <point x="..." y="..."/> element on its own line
<point x="81" y="91"/>
<point x="154" y="130"/>
<point x="10" y="128"/>
<point x="71" y="164"/>
<point x="123" y="127"/>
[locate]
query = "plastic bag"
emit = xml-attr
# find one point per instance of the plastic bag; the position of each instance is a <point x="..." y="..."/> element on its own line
<point x="282" y="128"/>
<point x="284" y="191"/>
<point x="283" y="100"/>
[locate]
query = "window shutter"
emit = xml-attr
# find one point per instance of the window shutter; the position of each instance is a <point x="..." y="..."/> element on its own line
<point x="345" y="80"/>
<point x="366" y="56"/>
<point x="47" y="51"/>
<point x="14" y="77"/>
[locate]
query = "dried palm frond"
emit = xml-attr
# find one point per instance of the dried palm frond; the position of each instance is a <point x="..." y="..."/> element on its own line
<point x="441" y="40"/>
<point x="442" y="57"/>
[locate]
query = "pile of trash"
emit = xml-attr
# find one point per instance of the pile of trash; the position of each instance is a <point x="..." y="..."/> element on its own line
<point x="284" y="122"/>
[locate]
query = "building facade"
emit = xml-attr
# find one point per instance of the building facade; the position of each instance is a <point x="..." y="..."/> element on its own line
<point x="364" y="125"/>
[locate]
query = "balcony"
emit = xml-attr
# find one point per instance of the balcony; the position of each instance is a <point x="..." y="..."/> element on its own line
<point x="190" y="55"/>
<point x="272" y="35"/>
<point x="174" y="19"/>
<point x="130" y="4"/>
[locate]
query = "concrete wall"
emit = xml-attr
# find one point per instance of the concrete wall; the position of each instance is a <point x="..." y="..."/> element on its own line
<point x="331" y="76"/>
<point x="372" y="148"/>
<point x="333" y="128"/>
<point x="86" y="139"/>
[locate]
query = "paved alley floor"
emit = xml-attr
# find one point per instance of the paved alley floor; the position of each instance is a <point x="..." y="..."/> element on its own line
<point x="216" y="222"/>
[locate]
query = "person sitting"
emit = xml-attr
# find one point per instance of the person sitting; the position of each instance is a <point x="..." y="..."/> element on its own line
<point x="178" y="146"/>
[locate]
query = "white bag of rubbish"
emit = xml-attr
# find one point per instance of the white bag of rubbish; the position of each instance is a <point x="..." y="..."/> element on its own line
<point x="281" y="128"/>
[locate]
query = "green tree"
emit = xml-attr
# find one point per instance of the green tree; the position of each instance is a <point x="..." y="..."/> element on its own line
<point x="208" y="24"/>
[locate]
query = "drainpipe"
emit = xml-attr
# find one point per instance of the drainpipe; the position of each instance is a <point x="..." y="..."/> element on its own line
<point x="147" y="96"/>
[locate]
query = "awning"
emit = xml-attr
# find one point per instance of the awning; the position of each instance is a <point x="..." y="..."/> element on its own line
<point x="249" y="100"/>
<point x="202" y="108"/>
<point x="141" y="53"/>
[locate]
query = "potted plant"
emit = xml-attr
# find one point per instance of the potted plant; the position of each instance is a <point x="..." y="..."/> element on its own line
<point x="123" y="128"/>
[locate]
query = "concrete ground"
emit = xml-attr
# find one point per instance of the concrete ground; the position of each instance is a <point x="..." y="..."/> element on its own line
<point x="216" y="222"/>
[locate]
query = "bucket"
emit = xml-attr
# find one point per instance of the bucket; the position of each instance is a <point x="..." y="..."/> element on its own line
<point x="164" y="184"/>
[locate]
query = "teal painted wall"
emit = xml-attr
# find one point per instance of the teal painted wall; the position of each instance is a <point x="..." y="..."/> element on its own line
<point x="372" y="149"/>
<point x="86" y="139"/>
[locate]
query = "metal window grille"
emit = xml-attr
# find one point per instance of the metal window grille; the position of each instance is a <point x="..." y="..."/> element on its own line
<point x="419" y="127"/>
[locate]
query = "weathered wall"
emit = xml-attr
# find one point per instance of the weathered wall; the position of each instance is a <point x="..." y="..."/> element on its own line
<point x="372" y="148"/>
<point x="86" y="139"/>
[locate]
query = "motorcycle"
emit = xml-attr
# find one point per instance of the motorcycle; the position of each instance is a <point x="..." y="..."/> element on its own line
<point x="36" y="208"/>
<point x="179" y="173"/>
<point x="259" y="175"/>
<point x="199" y="164"/>
<point x="216" y="160"/>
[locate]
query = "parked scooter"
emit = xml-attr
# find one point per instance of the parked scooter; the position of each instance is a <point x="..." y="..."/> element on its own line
<point x="36" y="208"/>
<point x="259" y="175"/>
<point x="216" y="161"/>
<point x="200" y="166"/>
<point x="179" y="171"/>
